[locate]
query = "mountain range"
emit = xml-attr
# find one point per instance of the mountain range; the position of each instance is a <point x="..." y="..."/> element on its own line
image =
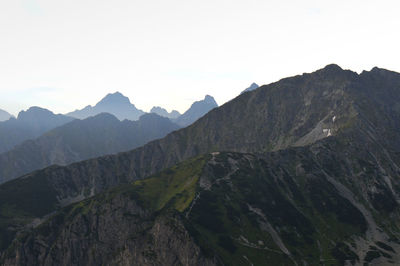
<point x="82" y="139"/>
<point x="121" y="107"/>
<point x="36" y="121"/>
<point x="303" y="171"/>
<point x="28" y="125"/>
<point x="4" y="116"/>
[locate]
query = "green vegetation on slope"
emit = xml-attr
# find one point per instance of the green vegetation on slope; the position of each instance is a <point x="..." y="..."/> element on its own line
<point x="249" y="196"/>
<point x="239" y="208"/>
<point x="174" y="187"/>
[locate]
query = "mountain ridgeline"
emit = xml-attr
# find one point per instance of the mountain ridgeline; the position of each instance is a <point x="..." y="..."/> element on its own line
<point x="113" y="103"/>
<point x="121" y="107"/>
<point x="301" y="171"/>
<point x="4" y="116"/>
<point x="252" y="87"/>
<point x="28" y="125"/>
<point x="82" y="139"/>
<point x="196" y="110"/>
<point x="162" y="112"/>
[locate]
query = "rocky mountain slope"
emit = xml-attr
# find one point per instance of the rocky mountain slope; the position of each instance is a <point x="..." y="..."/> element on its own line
<point x="4" y="116"/>
<point x="29" y="124"/>
<point x="113" y="103"/>
<point x="82" y="139"/>
<point x="196" y="110"/>
<point x="300" y="205"/>
<point x="320" y="187"/>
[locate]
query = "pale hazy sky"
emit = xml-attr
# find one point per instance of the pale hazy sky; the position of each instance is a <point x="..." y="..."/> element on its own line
<point x="63" y="55"/>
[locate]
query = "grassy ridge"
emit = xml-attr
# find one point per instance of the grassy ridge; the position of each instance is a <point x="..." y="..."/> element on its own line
<point x="174" y="187"/>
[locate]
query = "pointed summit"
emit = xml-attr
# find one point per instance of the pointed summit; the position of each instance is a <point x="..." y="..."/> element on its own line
<point x="252" y="87"/>
<point x="114" y="103"/>
<point x="114" y="98"/>
<point x="209" y="99"/>
<point x="197" y="110"/>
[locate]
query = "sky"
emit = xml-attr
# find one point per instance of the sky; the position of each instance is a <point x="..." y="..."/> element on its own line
<point x="64" y="55"/>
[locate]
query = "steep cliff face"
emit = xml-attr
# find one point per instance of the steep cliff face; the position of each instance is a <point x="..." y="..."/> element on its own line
<point x="323" y="184"/>
<point x="130" y="225"/>
<point x="110" y="232"/>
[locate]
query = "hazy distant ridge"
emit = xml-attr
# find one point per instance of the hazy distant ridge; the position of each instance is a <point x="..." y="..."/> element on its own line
<point x="4" y="115"/>
<point x="162" y="112"/>
<point x="197" y="110"/>
<point x="28" y="125"/>
<point x="82" y="139"/>
<point x="113" y="103"/>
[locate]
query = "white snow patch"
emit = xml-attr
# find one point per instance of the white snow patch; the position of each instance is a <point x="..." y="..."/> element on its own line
<point x="327" y="131"/>
<point x="333" y="119"/>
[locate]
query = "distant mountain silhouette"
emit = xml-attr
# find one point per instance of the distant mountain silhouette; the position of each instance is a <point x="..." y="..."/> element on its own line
<point x="252" y="87"/>
<point x="28" y="125"/>
<point x="4" y="116"/>
<point x="162" y="112"/>
<point x="82" y="139"/>
<point x="197" y="110"/>
<point x="113" y="103"/>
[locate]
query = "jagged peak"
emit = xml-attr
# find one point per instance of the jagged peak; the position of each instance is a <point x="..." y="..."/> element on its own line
<point x="152" y="117"/>
<point x="157" y="108"/>
<point x="209" y="99"/>
<point x="252" y="87"/>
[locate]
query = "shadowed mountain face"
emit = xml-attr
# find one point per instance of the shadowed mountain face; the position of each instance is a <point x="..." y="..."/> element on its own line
<point x="316" y="180"/>
<point x="115" y="104"/>
<point x="28" y="125"/>
<point x="4" y="116"/>
<point x="252" y="87"/>
<point x="80" y="140"/>
<point x="197" y="110"/>
<point x="162" y="112"/>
